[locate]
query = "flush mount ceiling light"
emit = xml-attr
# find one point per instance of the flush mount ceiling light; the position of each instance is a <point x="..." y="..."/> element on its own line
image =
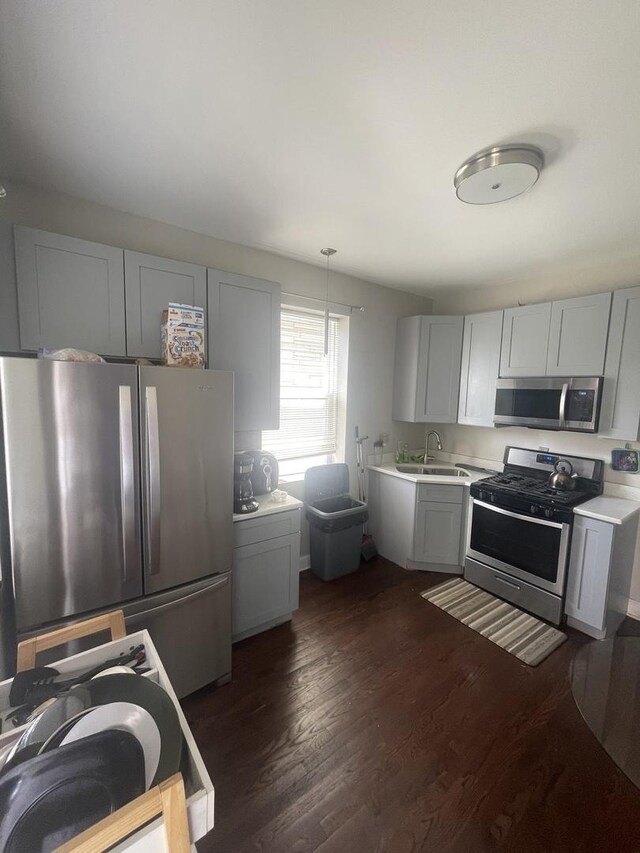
<point x="498" y="174"/>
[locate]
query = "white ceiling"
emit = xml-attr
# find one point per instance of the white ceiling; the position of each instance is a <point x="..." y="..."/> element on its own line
<point x="296" y="124"/>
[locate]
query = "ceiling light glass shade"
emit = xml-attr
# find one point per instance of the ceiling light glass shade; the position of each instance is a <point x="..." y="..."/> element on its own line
<point x="498" y="174"/>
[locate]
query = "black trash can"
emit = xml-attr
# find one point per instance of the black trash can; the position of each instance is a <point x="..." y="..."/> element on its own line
<point x="335" y="521"/>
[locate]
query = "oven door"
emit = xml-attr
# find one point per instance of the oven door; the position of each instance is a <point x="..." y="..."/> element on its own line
<point x="532" y="549"/>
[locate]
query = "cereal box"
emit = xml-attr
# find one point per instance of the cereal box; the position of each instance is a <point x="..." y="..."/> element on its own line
<point x="183" y="336"/>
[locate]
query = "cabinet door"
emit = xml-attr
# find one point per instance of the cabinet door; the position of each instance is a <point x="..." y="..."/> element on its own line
<point x="437" y="533"/>
<point x="150" y="284"/>
<point x="244" y="336"/>
<point x="591" y="545"/>
<point x="480" y="368"/>
<point x="392" y="511"/>
<point x="578" y="336"/>
<point x="525" y="338"/>
<point x="405" y="371"/>
<point x="439" y="369"/>
<point x="265" y="582"/>
<point x="70" y="293"/>
<point x="620" y="416"/>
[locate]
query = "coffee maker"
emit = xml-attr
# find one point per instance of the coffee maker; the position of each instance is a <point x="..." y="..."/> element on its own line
<point x="243" y="500"/>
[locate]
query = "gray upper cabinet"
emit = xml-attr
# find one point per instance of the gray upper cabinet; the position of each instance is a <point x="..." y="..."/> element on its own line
<point x="578" y="336"/>
<point x="525" y="337"/>
<point x="244" y="336"/>
<point x="480" y="368"/>
<point x="427" y="369"/>
<point x="620" y="415"/>
<point x="70" y="293"/>
<point x="150" y="284"/>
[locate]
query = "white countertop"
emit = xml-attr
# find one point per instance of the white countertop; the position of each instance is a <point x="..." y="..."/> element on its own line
<point x="268" y="507"/>
<point x="431" y="478"/>
<point x="605" y="508"/>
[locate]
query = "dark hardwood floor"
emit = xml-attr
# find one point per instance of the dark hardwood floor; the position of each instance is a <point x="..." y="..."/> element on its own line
<point x="376" y="722"/>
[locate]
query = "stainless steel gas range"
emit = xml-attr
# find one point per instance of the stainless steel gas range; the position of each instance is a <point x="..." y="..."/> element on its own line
<point x="519" y="529"/>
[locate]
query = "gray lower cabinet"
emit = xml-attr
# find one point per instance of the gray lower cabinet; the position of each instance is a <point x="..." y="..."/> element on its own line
<point x="599" y="578"/>
<point x="70" y="293"/>
<point x="150" y="284"/>
<point x="525" y="339"/>
<point x="244" y="336"/>
<point x="417" y="525"/>
<point x="480" y="368"/>
<point x="620" y="415"/>
<point x="578" y="335"/>
<point x="427" y="369"/>
<point x="265" y="572"/>
<point x="438" y="532"/>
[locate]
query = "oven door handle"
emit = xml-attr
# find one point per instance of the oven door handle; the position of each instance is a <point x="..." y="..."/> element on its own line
<point x="519" y="515"/>
<point x="563" y="405"/>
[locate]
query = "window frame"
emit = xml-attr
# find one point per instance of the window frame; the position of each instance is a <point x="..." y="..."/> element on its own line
<point x="292" y="468"/>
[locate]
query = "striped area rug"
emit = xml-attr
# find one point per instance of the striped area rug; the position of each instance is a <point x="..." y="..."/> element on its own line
<point x="515" y="631"/>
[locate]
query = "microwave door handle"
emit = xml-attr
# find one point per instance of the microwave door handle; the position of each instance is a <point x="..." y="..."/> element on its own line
<point x="563" y="405"/>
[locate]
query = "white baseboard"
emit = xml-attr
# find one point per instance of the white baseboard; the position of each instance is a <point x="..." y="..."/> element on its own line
<point x="305" y="563"/>
<point x="633" y="609"/>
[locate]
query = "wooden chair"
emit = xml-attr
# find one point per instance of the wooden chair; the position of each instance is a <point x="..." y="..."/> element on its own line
<point x="28" y="649"/>
<point x="167" y="799"/>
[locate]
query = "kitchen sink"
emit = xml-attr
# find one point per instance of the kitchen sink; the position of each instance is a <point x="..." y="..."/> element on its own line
<point x="432" y="470"/>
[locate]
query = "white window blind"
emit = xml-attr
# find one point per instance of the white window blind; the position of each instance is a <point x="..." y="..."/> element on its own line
<point x="308" y="388"/>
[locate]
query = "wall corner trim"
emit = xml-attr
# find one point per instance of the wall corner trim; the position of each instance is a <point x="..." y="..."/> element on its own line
<point x="633" y="609"/>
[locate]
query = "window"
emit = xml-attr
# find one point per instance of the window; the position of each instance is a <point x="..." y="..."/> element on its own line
<point x="309" y="393"/>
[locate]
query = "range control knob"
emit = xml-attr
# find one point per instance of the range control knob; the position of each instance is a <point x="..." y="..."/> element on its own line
<point x="482" y="495"/>
<point x="533" y="509"/>
<point x="548" y="513"/>
<point x="492" y="498"/>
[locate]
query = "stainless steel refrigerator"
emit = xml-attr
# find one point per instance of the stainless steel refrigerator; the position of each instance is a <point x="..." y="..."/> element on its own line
<point x="116" y="490"/>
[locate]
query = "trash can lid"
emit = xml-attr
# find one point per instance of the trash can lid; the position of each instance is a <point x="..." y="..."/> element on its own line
<point x="326" y="481"/>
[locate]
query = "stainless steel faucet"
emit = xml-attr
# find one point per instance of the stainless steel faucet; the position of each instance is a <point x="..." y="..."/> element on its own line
<point x="426" y="444"/>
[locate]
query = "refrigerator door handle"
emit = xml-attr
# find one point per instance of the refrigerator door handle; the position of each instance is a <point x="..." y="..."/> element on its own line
<point x="127" y="475"/>
<point x="153" y="480"/>
<point x="162" y="608"/>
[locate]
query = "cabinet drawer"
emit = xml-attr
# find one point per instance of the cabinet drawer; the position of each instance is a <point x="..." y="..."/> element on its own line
<point x="266" y="527"/>
<point x="517" y="592"/>
<point x="440" y="494"/>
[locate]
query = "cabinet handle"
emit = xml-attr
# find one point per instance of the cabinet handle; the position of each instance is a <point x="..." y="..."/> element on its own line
<point x="506" y="582"/>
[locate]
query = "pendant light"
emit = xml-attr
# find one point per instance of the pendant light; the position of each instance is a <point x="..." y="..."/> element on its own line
<point x="498" y="174"/>
<point x="327" y="253"/>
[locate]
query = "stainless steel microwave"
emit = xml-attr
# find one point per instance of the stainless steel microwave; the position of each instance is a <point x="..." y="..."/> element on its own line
<point x="561" y="403"/>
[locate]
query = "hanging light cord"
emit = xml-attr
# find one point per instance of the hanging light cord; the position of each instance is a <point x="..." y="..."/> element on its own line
<point x="327" y="253"/>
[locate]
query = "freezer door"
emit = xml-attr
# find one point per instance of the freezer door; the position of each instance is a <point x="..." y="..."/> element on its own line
<point x="191" y="629"/>
<point x="71" y="453"/>
<point x="187" y="474"/>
